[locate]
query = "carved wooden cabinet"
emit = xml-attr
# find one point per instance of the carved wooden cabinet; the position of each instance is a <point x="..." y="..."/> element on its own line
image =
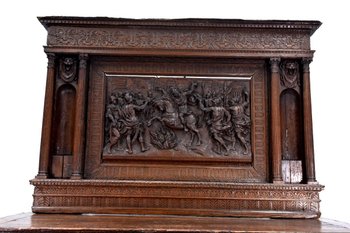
<point x="191" y="116"/>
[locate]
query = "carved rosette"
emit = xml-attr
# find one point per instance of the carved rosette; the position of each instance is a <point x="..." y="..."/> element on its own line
<point x="68" y="69"/>
<point x="290" y="76"/>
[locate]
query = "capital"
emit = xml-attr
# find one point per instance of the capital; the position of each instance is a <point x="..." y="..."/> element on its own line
<point x="274" y="62"/>
<point x="83" y="60"/>
<point x="306" y="62"/>
<point x="51" y="60"/>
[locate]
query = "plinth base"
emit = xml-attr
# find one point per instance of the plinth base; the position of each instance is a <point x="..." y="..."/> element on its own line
<point x="32" y="223"/>
<point x="176" y="198"/>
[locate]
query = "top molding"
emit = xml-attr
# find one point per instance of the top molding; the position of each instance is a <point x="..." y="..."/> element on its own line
<point x="311" y="26"/>
<point x="180" y="37"/>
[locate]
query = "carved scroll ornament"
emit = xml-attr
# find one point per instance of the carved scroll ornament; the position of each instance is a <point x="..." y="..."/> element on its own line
<point x="175" y="39"/>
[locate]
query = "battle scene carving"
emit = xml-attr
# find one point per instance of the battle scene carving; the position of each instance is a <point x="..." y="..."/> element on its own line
<point x="197" y="116"/>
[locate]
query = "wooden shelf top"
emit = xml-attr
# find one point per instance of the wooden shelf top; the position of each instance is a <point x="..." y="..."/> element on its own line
<point x="28" y="222"/>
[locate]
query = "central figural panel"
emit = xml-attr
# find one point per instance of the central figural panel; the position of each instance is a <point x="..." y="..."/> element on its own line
<point x="178" y="116"/>
<point x="183" y="119"/>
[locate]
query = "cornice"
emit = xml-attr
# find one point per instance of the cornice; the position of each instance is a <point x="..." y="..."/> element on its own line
<point x="311" y="25"/>
<point x="184" y="37"/>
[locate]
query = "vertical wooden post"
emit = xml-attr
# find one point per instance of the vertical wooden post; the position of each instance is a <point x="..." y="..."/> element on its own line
<point x="47" y="118"/>
<point x="275" y="121"/>
<point x="308" y="137"/>
<point x="79" y="129"/>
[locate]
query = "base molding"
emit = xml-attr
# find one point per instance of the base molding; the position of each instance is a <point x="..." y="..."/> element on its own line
<point x="176" y="198"/>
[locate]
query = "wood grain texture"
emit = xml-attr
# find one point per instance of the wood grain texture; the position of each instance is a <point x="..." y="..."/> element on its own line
<point x="200" y="37"/>
<point x="148" y="223"/>
<point x="177" y="117"/>
<point x="179" y="198"/>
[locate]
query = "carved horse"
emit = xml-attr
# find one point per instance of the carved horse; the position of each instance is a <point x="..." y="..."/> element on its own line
<point x="170" y="118"/>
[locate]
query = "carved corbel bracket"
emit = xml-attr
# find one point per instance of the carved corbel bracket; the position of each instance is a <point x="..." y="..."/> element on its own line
<point x="290" y="76"/>
<point x="68" y="69"/>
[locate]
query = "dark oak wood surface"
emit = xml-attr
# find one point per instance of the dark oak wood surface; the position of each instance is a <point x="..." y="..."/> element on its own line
<point x="28" y="222"/>
<point x="200" y="117"/>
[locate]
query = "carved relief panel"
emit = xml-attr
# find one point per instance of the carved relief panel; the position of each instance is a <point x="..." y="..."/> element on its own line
<point x="179" y="115"/>
<point x="185" y="121"/>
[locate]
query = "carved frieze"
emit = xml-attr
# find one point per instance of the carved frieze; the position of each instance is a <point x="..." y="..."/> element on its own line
<point x="222" y="39"/>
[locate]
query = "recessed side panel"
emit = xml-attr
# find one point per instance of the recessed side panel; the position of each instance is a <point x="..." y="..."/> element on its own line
<point x="64" y="121"/>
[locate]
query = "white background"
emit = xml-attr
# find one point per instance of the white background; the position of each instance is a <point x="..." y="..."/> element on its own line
<point x="23" y="73"/>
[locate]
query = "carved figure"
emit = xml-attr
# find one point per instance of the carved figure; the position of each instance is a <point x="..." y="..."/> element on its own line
<point x="218" y="122"/>
<point x="133" y="127"/>
<point x="171" y="118"/>
<point x="115" y="126"/>
<point x="240" y="120"/>
<point x="68" y="69"/>
<point x="180" y="98"/>
<point x="114" y="136"/>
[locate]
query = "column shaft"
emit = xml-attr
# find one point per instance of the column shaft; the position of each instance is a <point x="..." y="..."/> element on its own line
<point x="47" y="119"/>
<point x="79" y="130"/>
<point x="308" y="134"/>
<point x="275" y="121"/>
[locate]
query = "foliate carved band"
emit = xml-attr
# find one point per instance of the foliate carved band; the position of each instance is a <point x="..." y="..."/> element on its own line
<point x="51" y="60"/>
<point x="176" y="39"/>
<point x="83" y="60"/>
<point x="274" y="62"/>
